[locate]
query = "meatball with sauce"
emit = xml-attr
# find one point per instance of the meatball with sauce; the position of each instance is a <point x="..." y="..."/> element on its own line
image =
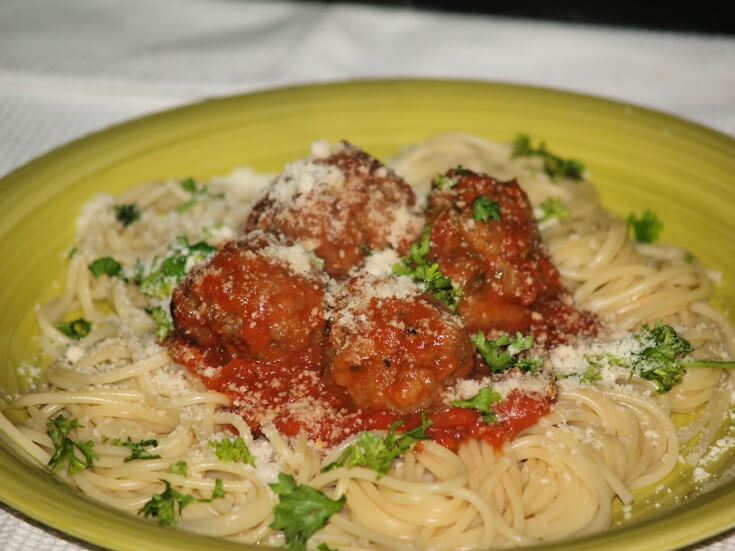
<point x="393" y="348"/>
<point x="256" y="300"/>
<point x="484" y="237"/>
<point x="343" y="203"/>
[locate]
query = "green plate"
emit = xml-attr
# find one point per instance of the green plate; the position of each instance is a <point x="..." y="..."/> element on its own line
<point x="638" y="158"/>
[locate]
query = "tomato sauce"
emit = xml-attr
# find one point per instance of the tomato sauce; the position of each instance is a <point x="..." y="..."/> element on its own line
<point x="297" y="400"/>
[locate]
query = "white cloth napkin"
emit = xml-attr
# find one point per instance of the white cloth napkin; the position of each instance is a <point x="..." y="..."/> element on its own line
<point x="69" y="68"/>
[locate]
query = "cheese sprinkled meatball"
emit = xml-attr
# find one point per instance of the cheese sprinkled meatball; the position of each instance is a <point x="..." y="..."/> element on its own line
<point x="342" y="204"/>
<point x="256" y="299"/>
<point x="484" y="237"/>
<point x="393" y="347"/>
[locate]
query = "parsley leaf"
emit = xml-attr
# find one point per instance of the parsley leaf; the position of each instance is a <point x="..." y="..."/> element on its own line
<point x="126" y="214"/>
<point x="179" y="467"/>
<point x="428" y="275"/>
<point x="647" y="228"/>
<point x="163" y="318"/>
<point x="366" y="250"/>
<point x="553" y="208"/>
<point x="58" y="431"/>
<point x="659" y="358"/>
<point x="483" y="209"/>
<point x="163" y="276"/>
<point x="197" y="193"/>
<point x="232" y="450"/>
<point x="554" y="166"/>
<point x="137" y="449"/>
<point x="75" y="329"/>
<point x="481" y="402"/>
<point x="502" y="353"/>
<point x="443" y="181"/>
<point x="108" y="266"/>
<point x="301" y="510"/>
<point x="376" y="452"/>
<point x="324" y="546"/>
<point x="162" y="506"/>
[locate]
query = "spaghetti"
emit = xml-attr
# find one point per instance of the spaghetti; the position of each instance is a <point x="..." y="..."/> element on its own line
<point x="557" y="479"/>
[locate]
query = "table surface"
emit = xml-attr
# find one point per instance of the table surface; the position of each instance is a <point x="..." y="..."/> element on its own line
<point x="70" y="68"/>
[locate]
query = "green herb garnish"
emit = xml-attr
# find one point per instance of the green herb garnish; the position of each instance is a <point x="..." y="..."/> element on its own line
<point x="162" y="506"/>
<point x="378" y="452"/>
<point x="484" y="209"/>
<point x="179" y="467"/>
<point x="503" y="353"/>
<point x="647" y="228"/>
<point x="162" y="317"/>
<point x="366" y="250"/>
<point x="301" y="510"/>
<point x="137" y="449"/>
<point x="553" y="208"/>
<point x="444" y="182"/>
<point x="58" y="431"/>
<point x="163" y="276"/>
<point x="106" y="265"/>
<point x="197" y="194"/>
<point x="481" y="402"/>
<point x="427" y="275"/>
<point x="76" y="329"/>
<point x="126" y="214"/>
<point x="232" y="450"/>
<point x="554" y="166"/>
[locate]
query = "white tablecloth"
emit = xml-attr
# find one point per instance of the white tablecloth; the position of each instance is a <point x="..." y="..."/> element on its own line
<point x="69" y="68"/>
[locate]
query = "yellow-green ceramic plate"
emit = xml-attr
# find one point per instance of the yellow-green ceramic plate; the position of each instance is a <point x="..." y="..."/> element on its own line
<point x="638" y="158"/>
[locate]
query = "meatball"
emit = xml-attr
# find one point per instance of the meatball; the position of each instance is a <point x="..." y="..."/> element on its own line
<point x="484" y="237"/>
<point x="393" y="348"/>
<point x="342" y="204"/>
<point x="255" y="300"/>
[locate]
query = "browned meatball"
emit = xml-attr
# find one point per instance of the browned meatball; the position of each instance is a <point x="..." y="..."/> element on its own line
<point x="392" y="347"/>
<point x="342" y="204"/>
<point x="485" y="238"/>
<point x="256" y="299"/>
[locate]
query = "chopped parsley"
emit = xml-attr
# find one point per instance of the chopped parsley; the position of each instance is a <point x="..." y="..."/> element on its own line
<point x="659" y="357"/>
<point x="301" y="510"/>
<point x="72" y="252"/>
<point x="553" y="208"/>
<point x="163" y="276"/>
<point x="162" y="317"/>
<point x="137" y="449"/>
<point x="366" y="250"/>
<point x="126" y="214"/>
<point x="443" y="182"/>
<point x="554" y="166"/>
<point x="76" y="329"/>
<point x="427" y="275"/>
<point x="484" y="209"/>
<point x="504" y="352"/>
<point x="232" y="450"/>
<point x="64" y="447"/>
<point x="162" y="506"/>
<point x="106" y="265"/>
<point x="197" y="194"/>
<point x="324" y="546"/>
<point x="481" y="402"/>
<point x="647" y="228"/>
<point x="378" y="452"/>
<point x="179" y="467"/>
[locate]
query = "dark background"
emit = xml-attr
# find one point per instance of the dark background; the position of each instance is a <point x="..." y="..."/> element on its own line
<point x="686" y="15"/>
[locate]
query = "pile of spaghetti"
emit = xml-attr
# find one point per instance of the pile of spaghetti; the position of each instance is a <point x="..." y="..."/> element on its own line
<point x="462" y="350"/>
